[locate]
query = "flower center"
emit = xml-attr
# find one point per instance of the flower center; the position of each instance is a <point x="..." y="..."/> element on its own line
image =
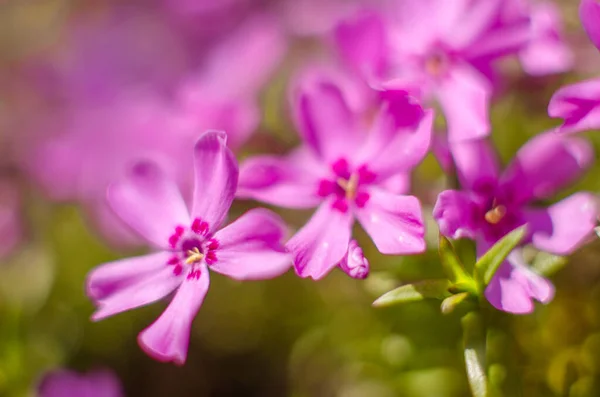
<point x="436" y="64"/>
<point x="191" y="248"/>
<point x="496" y="214"/>
<point x="346" y="185"/>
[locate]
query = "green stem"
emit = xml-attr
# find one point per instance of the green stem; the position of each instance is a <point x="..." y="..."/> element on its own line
<point x="474" y="350"/>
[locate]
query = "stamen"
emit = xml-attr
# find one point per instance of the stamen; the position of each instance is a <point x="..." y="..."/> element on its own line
<point x="350" y="186"/>
<point x="194" y="256"/>
<point x="495" y="215"/>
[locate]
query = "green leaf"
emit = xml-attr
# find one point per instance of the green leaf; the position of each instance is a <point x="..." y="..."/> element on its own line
<point x="451" y="263"/>
<point x="453" y="301"/>
<point x="437" y="289"/>
<point x="474" y="350"/>
<point x="547" y="264"/>
<point x="486" y="266"/>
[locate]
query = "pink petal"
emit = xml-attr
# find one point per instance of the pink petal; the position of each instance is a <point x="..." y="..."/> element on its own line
<point x="397" y="150"/>
<point x="564" y="226"/>
<point x="477" y="164"/>
<point x="279" y="181"/>
<point x="589" y="12"/>
<point x="508" y="293"/>
<point x="119" y="286"/>
<point x="216" y="175"/>
<point x="579" y="105"/>
<point x="354" y="262"/>
<point x="362" y="41"/>
<point x="476" y="17"/>
<point x="149" y="202"/>
<point x="61" y="383"/>
<point x="394" y="222"/>
<point x="324" y="120"/>
<point x="167" y="338"/>
<point x="322" y="243"/>
<point x="465" y="98"/>
<point x="251" y="248"/>
<point x="545" y="164"/>
<point x="456" y="214"/>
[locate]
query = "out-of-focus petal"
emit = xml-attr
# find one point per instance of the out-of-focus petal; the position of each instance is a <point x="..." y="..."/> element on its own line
<point x="546" y="164"/>
<point x="579" y="105"/>
<point x="116" y="287"/>
<point x="354" y="262"/>
<point x="465" y="98"/>
<point x="216" y="177"/>
<point x="362" y="41"/>
<point x="284" y="182"/>
<point x="477" y="165"/>
<point x="589" y="12"/>
<point x="564" y="226"/>
<point x="394" y="223"/>
<point x="252" y="247"/>
<point x="167" y="339"/>
<point x="149" y="203"/>
<point x="456" y="214"/>
<point x="324" y="120"/>
<point x="322" y="243"/>
<point x="475" y="18"/>
<point x="62" y="383"/>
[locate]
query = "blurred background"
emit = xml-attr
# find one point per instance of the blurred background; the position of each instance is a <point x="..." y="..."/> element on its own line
<point x="88" y="86"/>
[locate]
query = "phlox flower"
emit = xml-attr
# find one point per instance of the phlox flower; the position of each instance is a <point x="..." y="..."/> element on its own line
<point x="442" y="50"/>
<point x="188" y="245"/>
<point x="64" y="383"/>
<point x="349" y="169"/>
<point x="579" y="104"/>
<point x="491" y="203"/>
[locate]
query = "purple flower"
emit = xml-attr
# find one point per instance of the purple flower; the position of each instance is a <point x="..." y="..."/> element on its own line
<point x="442" y="50"/>
<point x="63" y="383"/>
<point x="188" y="244"/>
<point x="492" y="203"/>
<point x="579" y="104"/>
<point x="348" y="174"/>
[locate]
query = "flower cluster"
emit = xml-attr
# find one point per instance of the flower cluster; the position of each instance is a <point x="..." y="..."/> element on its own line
<point x="150" y="148"/>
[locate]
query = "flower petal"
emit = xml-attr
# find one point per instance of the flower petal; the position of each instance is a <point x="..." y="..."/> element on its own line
<point x="167" y="339"/>
<point x="477" y="164"/>
<point x="465" y="98"/>
<point x="456" y="214"/>
<point x="322" y="243"/>
<point x="564" y="226"/>
<point x="546" y="164"/>
<point x="323" y="117"/>
<point x="216" y="175"/>
<point x="394" y="222"/>
<point x="129" y="283"/>
<point x="399" y="149"/>
<point x="149" y="202"/>
<point x="354" y="262"/>
<point x="589" y="12"/>
<point x="251" y="247"/>
<point x="279" y="181"/>
<point x="579" y="105"/>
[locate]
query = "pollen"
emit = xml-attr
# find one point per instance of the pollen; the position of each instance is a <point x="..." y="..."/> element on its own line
<point x="194" y="256"/>
<point x="350" y="186"/>
<point x="495" y="215"/>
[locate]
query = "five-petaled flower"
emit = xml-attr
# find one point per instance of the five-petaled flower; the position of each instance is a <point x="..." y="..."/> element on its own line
<point x="189" y="245"/>
<point x="348" y="173"/>
<point x="491" y="204"/>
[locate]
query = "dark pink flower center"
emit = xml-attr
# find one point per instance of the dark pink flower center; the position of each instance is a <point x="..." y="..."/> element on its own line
<point x="500" y="217"/>
<point x="437" y="61"/>
<point x="192" y="246"/>
<point x="346" y="185"/>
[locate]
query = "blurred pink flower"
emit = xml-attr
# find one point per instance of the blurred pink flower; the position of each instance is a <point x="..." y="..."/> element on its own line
<point x="438" y="49"/>
<point x="63" y="383"/>
<point x="347" y="173"/>
<point x="491" y="204"/>
<point x="11" y="228"/>
<point x="188" y="243"/>
<point x="589" y="12"/>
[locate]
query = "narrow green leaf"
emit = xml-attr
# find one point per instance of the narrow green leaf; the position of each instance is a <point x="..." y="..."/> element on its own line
<point x="486" y="266"/>
<point x="474" y="350"/>
<point x="453" y="301"/>
<point x="437" y="289"/>
<point x="451" y="263"/>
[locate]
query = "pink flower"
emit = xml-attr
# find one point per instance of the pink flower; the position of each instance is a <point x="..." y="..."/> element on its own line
<point x="63" y="383"/>
<point x="579" y="104"/>
<point x="348" y="174"/>
<point x="442" y="50"/>
<point x="492" y="203"/>
<point x="11" y="227"/>
<point x="188" y="244"/>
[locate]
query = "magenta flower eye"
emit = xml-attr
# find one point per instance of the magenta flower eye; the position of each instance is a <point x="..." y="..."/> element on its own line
<point x="189" y="244"/>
